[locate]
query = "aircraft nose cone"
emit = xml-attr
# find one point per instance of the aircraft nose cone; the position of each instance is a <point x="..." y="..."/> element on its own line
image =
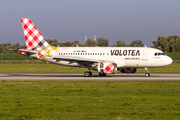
<point x="169" y="61"/>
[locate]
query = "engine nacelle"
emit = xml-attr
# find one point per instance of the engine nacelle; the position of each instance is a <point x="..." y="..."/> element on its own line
<point x="128" y="70"/>
<point x="107" y="68"/>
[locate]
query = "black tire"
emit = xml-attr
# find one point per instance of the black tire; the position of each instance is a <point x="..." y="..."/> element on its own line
<point x="147" y="74"/>
<point x="102" y="74"/>
<point x="88" y="74"/>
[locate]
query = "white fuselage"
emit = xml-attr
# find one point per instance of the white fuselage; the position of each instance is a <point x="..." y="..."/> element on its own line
<point x="123" y="56"/>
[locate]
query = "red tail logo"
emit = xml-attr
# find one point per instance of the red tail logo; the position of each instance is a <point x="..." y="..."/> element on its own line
<point x="34" y="39"/>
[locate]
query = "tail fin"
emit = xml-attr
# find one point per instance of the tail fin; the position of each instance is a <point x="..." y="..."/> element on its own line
<point x="34" y="39"/>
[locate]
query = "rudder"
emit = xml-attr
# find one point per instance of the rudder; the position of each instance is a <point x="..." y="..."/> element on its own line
<point x="34" y="40"/>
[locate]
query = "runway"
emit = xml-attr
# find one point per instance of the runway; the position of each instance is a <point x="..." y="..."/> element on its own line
<point x="95" y="77"/>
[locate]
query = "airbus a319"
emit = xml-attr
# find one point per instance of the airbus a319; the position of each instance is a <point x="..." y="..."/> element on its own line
<point x="103" y="59"/>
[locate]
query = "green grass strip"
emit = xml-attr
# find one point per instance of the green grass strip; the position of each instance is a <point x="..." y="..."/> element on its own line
<point x="117" y="100"/>
<point x="14" y="56"/>
<point x="174" y="56"/>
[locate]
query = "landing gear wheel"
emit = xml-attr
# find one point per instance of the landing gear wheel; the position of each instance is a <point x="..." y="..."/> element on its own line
<point x="88" y="74"/>
<point x="102" y="74"/>
<point x="147" y="74"/>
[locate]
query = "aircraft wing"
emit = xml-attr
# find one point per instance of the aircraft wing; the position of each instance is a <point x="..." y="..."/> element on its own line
<point x="79" y="60"/>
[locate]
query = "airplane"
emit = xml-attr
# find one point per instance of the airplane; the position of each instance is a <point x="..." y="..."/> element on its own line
<point x="105" y="60"/>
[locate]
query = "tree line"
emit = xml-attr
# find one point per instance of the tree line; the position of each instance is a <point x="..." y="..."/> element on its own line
<point x="166" y="44"/>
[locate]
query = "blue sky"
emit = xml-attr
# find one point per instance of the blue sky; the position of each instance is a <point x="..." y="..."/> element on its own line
<point x="70" y="20"/>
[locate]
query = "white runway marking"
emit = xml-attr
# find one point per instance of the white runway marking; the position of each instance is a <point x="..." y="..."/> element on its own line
<point x="95" y="77"/>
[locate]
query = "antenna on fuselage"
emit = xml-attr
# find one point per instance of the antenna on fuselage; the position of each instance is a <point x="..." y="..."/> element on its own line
<point x="145" y="46"/>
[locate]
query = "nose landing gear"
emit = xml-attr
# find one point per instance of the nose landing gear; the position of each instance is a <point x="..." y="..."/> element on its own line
<point x="147" y="72"/>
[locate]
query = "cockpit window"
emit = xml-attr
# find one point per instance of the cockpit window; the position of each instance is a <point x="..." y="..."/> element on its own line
<point x="158" y="54"/>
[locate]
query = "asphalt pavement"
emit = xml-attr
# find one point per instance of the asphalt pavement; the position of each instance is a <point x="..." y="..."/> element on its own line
<point x="95" y="77"/>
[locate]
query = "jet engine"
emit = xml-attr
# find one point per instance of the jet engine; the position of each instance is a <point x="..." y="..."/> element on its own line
<point x="128" y="70"/>
<point x="107" y="68"/>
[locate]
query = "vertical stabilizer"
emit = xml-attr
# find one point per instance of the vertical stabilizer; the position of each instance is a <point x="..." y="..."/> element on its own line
<point x="34" y="39"/>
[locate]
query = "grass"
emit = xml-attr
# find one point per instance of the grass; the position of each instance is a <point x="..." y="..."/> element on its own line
<point x="36" y="67"/>
<point x="116" y="100"/>
<point x="43" y="67"/>
<point x="16" y="56"/>
<point x="173" y="68"/>
<point x="174" y="56"/>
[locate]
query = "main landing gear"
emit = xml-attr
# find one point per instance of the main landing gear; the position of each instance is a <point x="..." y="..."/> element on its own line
<point x="147" y="73"/>
<point x="88" y="74"/>
<point x="101" y="73"/>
